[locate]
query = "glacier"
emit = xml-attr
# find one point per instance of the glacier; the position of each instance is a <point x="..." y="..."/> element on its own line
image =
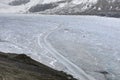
<point x="85" y="46"/>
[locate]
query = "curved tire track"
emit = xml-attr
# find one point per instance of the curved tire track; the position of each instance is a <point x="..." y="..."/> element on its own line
<point x="74" y="69"/>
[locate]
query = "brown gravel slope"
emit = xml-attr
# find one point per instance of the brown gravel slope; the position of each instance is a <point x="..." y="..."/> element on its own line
<point x="22" y="67"/>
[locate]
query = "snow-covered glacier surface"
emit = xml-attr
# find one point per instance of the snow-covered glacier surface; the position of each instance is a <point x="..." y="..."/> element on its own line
<point x="84" y="46"/>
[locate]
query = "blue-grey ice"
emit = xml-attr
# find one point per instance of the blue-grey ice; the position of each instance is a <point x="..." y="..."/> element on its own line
<point x="85" y="46"/>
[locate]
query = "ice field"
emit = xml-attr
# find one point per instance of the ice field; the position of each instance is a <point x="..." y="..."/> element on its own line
<point x="85" y="46"/>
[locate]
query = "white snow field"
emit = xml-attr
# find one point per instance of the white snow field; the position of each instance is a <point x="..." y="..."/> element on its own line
<point x="88" y="47"/>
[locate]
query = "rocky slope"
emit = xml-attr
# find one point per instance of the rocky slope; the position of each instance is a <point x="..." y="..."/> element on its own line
<point x="105" y="8"/>
<point x="72" y="7"/>
<point x="22" y="67"/>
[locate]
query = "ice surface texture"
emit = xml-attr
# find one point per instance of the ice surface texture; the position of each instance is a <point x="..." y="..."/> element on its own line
<point x="85" y="46"/>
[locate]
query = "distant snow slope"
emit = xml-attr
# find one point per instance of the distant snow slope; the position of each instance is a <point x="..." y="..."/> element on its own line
<point x="74" y="7"/>
<point x="16" y="6"/>
<point x="85" y="46"/>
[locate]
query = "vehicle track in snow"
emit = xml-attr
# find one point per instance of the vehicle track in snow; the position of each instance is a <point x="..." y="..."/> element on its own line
<point x="74" y="69"/>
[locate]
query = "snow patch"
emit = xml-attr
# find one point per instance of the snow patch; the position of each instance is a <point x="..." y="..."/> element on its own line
<point x="83" y="1"/>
